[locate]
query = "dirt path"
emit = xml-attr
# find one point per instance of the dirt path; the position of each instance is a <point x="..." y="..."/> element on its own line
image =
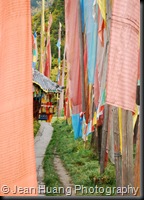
<point x="42" y="140"/>
<point x="63" y="175"/>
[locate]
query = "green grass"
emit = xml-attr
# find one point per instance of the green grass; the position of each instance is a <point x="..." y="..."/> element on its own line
<point x="82" y="164"/>
<point x="51" y="178"/>
<point x="36" y="126"/>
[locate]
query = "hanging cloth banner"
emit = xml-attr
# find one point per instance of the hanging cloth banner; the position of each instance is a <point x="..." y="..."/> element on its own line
<point x="91" y="38"/>
<point x="101" y="67"/>
<point x="59" y="53"/>
<point x="58" y="44"/>
<point x="34" y="51"/>
<point x="17" y="155"/>
<point x="48" y="49"/>
<point x="123" y="55"/>
<point x="82" y="15"/>
<point x="102" y="6"/>
<point x="73" y="54"/>
<point x="77" y="126"/>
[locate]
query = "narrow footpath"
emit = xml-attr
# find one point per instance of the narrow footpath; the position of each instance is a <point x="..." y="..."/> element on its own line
<point x="42" y="140"/>
<point x="63" y="175"/>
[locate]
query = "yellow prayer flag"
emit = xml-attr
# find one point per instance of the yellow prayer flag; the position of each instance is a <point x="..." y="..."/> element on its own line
<point x="94" y="119"/>
<point x="135" y="116"/>
<point x="102" y="7"/>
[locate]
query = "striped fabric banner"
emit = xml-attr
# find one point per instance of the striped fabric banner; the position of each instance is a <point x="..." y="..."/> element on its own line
<point x="123" y="56"/>
<point x="73" y="54"/>
<point x="17" y="157"/>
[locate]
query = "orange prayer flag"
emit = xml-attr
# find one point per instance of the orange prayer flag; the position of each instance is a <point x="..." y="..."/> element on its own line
<point x="17" y="164"/>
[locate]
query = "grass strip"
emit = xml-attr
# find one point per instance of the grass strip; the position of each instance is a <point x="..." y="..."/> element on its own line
<point x="36" y="126"/>
<point x="82" y="165"/>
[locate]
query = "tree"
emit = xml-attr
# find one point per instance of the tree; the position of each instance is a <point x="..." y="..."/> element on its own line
<point x="57" y="9"/>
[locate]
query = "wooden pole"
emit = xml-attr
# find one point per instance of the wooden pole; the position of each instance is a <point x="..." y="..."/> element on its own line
<point x="104" y="138"/>
<point x="127" y="149"/>
<point x="41" y="69"/>
<point x="59" y="49"/>
<point x="99" y="130"/>
<point x="137" y="163"/>
<point x="137" y="160"/>
<point x="61" y="100"/>
<point x="117" y="152"/>
<point x="124" y="149"/>
<point x="106" y="108"/>
<point x="130" y="165"/>
<point x="59" y="67"/>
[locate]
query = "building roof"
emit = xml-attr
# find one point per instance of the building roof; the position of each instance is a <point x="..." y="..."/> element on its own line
<point x="46" y="84"/>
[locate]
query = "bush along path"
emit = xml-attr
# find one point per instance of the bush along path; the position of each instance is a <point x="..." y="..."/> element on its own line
<point x="36" y="127"/>
<point x="69" y="167"/>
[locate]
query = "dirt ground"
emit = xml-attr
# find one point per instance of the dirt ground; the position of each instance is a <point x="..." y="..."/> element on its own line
<point x="63" y="174"/>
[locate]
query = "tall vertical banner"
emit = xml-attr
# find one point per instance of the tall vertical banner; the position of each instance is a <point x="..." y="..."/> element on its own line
<point x="61" y="100"/>
<point x="73" y="62"/>
<point x="34" y="50"/>
<point x="48" y="49"/>
<point x="123" y="55"/>
<point x="42" y="46"/>
<point x="59" y="52"/>
<point x="17" y="156"/>
<point x="73" y="54"/>
<point x="59" y="65"/>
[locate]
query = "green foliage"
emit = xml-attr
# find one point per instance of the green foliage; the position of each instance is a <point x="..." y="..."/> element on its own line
<point x="54" y="73"/>
<point x="81" y="164"/>
<point x="51" y="178"/>
<point x="57" y="10"/>
<point x="36" y="5"/>
<point x="36" y="126"/>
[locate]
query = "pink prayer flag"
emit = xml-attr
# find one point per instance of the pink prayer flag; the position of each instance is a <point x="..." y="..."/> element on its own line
<point x="123" y="54"/>
<point x="73" y="53"/>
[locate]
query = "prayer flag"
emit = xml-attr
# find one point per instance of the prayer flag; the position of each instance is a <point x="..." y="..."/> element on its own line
<point x="17" y="156"/>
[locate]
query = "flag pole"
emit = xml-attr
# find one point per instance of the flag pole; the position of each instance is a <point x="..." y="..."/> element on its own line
<point x="61" y="100"/>
<point x="48" y="49"/>
<point x="41" y="69"/>
<point x="106" y="107"/>
<point x="59" y="49"/>
<point x="59" y="65"/>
